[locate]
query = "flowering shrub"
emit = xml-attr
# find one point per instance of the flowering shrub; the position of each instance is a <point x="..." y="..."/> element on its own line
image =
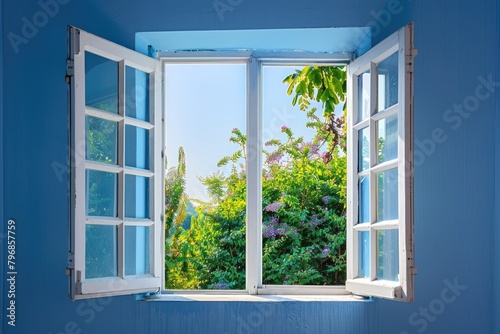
<point x="303" y="206"/>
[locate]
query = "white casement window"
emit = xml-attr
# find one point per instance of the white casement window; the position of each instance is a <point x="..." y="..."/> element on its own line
<point x="380" y="170"/>
<point x="117" y="164"/>
<point x="116" y="169"/>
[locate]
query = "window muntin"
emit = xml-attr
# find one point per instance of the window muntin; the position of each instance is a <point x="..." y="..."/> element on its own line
<point x="116" y="169"/>
<point x="380" y="170"/>
<point x="362" y="286"/>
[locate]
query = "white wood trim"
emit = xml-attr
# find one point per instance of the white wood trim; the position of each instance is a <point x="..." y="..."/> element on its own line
<point x="109" y="116"/>
<point x="384" y="166"/>
<point x="352" y="175"/>
<point x="303" y="290"/>
<point x="115" y="284"/>
<point x="386" y="113"/>
<point x="401" y="42"/>
<point x="376" y="54"/>
<point x="253" y="267"/>
<point x="113" y="51"/>
<point x="366" y="287"/>
<point x="79" y="287"/>
<point x="103" y="167"/>
<point x="138" y="172"/>
<point x="138" y="123"/>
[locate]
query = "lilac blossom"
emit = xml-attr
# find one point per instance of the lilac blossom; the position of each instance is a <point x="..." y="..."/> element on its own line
<point x="219" y="286"/>
<point x="273" y="207"/>
<point x="274" y="157"/>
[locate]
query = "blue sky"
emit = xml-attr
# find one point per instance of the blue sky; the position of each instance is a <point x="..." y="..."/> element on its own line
<point x="205" y="102"/>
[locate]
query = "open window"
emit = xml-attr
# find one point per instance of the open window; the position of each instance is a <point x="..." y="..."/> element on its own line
<point x="117" y="166"/>
<point x="116" y="169"/>
<point x="380" y="170"/>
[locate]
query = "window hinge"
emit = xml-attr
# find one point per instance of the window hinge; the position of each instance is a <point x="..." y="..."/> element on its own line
<point x="71" y="261"/>
<point x="413" y="270"/>
<point x="70" y="69"/>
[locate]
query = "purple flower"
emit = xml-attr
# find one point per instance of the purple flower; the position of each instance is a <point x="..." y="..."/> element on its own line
<point x="219" y="286"/>
<point x="273" y="207"/>
<point x="325" y="252"/>
<point x="284" y="128"/>
<point x="274" y="157"/>
<point x="326" y="199"/>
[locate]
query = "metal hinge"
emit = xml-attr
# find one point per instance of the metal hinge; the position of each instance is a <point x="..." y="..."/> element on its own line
<point x="71" y="261"/>
<point x="413" y="270"/>
<point x="70" y="69"/>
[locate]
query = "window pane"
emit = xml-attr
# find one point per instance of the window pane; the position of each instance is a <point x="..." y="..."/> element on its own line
<point x="136" y="147"/>
<point x="101" y="83"/>
<point x="364" y="199"/>
<point x="101" y="251"/>
<point x="136" y="250"/>
<point x="388" y="82"/>
<point x="136" y="94"/>
<point x="387" y="195"/>
<point x="101" y="137"/>
<point x="387" y="134"/>
<point x="387" y="255"/>
<point x="363" y="149"/>
<point x="101" y="193"/>
<point x="136" y="196"/>
<point x="206" y="109"/>
<point x="364" y="96"/>
<point x="364" y="254"/>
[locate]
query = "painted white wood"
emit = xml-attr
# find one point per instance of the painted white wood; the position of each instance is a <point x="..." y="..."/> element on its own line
<point x="401" y="42"/>
<point x="302" y="290"/>
<point x="80" y="43"/>
<point x="366" y="287"/>
<point x="352" y="175"/>
<point x="127" y="285"/>
<point x="254" y="179"/>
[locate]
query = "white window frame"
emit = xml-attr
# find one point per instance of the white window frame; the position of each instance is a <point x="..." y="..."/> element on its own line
<point x="255" y="60"/>
<point x="402" y="289"/>
<point x="81" y="42"/>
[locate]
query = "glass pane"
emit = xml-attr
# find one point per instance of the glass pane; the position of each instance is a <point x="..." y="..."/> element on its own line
<point x="136" y="250"/>
<point x="136" y="196"/>
<point x="136" y="94"/>
<point x="101" y="193"/>
<point x="387" y="136"/>
<point x="364" y="199"/>
<point x="136" y="147"/>
<point x="101" y="251"/>
<point x="101" y="83"/>
<point x="364" y="96"/>
<point x="388" y="82"/>
<point x="101" y="137"/>
<point x="387" y="255"/>
<point x="363" y="149"/>
<point x="364" y="254"/>
<point x="387" y="195"/>
<point x="206" y="107"/>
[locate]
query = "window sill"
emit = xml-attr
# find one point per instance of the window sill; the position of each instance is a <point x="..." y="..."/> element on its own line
<point x="202" y="296"/>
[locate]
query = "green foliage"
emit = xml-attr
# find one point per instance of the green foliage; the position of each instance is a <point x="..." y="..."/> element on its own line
<point x="303" y="203"/>
<point x="328" y="85"/>
<point x="179" y="258"/>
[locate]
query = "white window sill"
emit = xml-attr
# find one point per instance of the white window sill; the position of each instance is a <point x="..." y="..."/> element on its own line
<point x="244" y="297"/>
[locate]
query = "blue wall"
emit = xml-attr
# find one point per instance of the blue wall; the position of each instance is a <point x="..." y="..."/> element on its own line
<point x="455" y="217"/>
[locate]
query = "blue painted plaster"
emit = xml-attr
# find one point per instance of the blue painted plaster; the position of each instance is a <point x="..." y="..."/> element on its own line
<point x="457" y="228"/>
